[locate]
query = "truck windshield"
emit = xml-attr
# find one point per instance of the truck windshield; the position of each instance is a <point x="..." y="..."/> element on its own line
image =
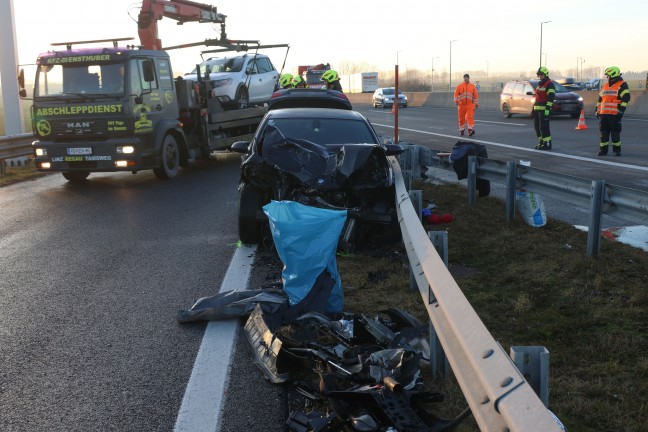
<point x="80" y="79"/>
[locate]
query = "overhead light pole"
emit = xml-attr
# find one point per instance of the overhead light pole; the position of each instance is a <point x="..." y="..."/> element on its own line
<point x="432" y="86"/>
<point x="541" y="24"/>
<point x="579" y="64"/>
<point x="450" y="78"/>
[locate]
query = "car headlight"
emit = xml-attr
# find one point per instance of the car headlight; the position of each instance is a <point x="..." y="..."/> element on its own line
<point x="580" y="99"/>
<point x="223" y="82"/>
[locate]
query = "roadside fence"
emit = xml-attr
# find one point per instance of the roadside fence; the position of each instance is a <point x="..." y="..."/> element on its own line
<point x="14" y="146"/>
<point x="596" y="195"/>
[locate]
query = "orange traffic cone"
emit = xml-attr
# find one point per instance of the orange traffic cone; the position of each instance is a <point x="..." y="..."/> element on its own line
<point x="581" y="122"/>
<point x="394" y="108"/>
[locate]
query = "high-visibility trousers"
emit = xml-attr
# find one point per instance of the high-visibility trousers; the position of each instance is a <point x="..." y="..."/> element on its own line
<point x="466" y="115"/>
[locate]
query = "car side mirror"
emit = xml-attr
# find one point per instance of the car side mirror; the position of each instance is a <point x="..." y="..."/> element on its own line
<point x="240" y="146"/>
<point x="394" y="149"/>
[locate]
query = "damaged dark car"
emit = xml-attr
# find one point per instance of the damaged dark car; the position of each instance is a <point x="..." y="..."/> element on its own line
<point x="322" y="157"/>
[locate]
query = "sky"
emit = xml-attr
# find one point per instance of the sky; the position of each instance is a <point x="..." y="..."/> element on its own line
<point x="503" y="36"/>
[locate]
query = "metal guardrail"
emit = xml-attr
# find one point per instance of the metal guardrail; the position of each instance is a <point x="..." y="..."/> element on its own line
<point x="498" y="395"/>
<point x="14" y="146"/>
<point x="596" y="195"/>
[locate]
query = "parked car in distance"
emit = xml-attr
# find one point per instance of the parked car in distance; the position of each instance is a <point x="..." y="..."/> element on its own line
<point x="570" y="84"/>
<point x="239" y="81"/>
<point x="322" y="157"/>
<point x="518" y="97"/>
<point x="384" y="97"/>
<point x="593" y="84"/>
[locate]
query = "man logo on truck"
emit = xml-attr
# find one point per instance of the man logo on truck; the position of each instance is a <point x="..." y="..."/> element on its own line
<point x="43" y="128"/>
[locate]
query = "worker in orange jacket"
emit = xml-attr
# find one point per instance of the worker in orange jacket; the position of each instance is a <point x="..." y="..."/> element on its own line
<point x="467" y="100"/>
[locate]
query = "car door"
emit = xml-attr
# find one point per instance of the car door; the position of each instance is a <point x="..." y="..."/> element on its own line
<point x="263" y="78"/>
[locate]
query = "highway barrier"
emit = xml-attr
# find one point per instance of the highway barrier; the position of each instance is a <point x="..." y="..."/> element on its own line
<point x="498" y="395"/>
<point x="14" y="146"/>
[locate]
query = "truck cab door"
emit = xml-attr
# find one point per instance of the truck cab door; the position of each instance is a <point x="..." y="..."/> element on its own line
<point x="145" y="95"/>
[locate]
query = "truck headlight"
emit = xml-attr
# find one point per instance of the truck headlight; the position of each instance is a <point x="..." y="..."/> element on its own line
<point x="41" y="152"/>
<point x="126" y="149"/>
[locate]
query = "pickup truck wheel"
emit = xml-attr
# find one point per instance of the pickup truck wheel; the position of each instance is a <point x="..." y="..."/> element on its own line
<point x="242" y="98"/>
<point x="506" y="111"/>
<point x="77" y="176"/>
<point x="169" y="159"/>
<point x="250" y="201"/>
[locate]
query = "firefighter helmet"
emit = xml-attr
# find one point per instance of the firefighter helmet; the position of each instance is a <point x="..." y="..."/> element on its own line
<point x="612" y="72"/>
<point x="543" y="70"/>
<point x="330" y="76"/>
<point x="297" y="80"/>
<point x="285" y="80"/>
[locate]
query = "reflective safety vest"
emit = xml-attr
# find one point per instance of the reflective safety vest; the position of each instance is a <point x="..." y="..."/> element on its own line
<point x="466" y="94"/>
<point x="610" y="98"/>
<point x="542" y="96"/>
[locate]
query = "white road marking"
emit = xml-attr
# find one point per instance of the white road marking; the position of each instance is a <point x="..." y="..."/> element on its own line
<point x="203" y="399"/>
<point x="548" y="153"/>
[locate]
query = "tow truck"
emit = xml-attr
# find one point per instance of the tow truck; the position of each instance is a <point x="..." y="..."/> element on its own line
<point x="117" y="107"/>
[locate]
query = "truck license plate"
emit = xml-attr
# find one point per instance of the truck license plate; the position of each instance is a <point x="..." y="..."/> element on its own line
<point x="79" y="151"/>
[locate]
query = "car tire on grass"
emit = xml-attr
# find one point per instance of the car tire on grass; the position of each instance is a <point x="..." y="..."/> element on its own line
<point x="250" y="201"/>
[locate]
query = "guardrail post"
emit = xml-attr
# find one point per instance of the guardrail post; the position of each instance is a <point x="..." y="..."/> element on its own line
<point x="416" y="197"/>
<point x="472" y="180"/>
<point x="533" y="363"/>
<point x="438" y="360"/>
<point x="596" y="214"/>
<point x="511" y="179"/>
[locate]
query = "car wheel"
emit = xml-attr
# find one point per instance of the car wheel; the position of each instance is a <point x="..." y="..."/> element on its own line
<point x="242" y="98"/>
<point x="506" y="111"/>
<point x="250" y="201"/>
<point x="169" y="159"/>
<point x="77" y="176"/>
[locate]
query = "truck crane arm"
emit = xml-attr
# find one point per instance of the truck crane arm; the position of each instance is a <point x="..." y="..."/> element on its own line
<point x="180" y="10"/>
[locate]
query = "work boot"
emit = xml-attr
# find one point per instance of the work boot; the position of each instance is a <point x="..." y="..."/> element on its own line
<point x="461" y="132"/>
<point x="616" y="150"/>
<point x="542" y="146"/>
<point x="602" y="151"/>
<point x="548" y="145"/>
<point x="471" y="132"/>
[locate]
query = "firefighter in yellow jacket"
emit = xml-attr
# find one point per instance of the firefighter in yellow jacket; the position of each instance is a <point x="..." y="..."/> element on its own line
<point x="612" y="103"/>
<point x="467" y="100"/>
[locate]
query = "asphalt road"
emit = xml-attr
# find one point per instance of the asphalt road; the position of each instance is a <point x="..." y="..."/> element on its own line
<point x="93" y="274"/>
<point x="92" y="278"/>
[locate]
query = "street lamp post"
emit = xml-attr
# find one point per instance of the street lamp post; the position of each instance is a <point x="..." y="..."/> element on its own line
<point x="543" y="22"/>
<point x="450" y="77"/>
<point x="432" y="86"/>
<point x="579" y="61"/>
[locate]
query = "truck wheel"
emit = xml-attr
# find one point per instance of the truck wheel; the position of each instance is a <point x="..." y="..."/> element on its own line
<point x="250" y="201"/>
<point x="242" y="98"/>
<point x="170" y="159"/>
<point x="77" y="176"/>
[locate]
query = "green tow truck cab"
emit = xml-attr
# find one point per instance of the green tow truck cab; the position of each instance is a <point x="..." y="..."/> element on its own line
<point x="107" y="109"/>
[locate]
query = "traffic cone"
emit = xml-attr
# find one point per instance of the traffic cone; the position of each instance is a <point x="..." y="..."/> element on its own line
<point x="394" y="108"/>
<point x="581" y="122"/>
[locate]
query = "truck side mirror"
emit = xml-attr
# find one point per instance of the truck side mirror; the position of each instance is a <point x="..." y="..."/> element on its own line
<point x="149" y="71"/>
<point x="21" y="84"/>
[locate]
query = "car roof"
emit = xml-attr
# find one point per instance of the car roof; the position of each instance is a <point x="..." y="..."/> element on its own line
<point x="316" y="113"/>
<point x="309" y="98"/>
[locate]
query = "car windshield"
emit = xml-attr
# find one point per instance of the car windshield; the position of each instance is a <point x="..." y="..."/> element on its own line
<point x="390" y="91"/>
<point x="325" y="131"/>
<point x="222" y="65"/>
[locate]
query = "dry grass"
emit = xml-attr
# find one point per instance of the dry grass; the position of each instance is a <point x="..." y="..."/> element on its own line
<point x="18" y="174"/>
<point x="529" y="288"/>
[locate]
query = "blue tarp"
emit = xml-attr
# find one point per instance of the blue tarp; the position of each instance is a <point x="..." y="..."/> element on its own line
<point x="306" y="239"/>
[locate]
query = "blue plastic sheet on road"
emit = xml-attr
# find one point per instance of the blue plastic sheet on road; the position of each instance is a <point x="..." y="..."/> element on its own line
<point x="306" y="240"/>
